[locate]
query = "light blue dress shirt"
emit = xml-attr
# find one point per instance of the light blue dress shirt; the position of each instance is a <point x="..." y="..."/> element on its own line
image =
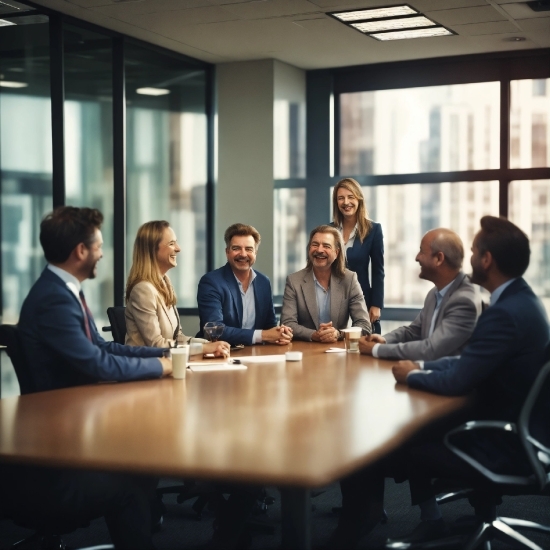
<point x="323" y="301"/>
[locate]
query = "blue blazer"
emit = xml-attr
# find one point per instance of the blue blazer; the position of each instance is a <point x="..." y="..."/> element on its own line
<point x="219" y="299"/>
<point x="57" y="350"/>
<point x="501" y="360"/>
<point x="358" y="258"/>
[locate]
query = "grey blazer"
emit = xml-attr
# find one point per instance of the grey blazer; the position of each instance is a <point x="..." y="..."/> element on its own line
<point x="300" y="311"/>
<point x="460" y="308"/>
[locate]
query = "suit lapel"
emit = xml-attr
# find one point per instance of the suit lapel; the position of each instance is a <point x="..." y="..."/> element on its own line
<point x="430" y="308"/>
<point x="336" y="299"/>
<point x="310" y="299"/>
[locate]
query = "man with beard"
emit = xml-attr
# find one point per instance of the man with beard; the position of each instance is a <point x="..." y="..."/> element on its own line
<point x="320" y="299"/>
<point x="239" y="296"/>
<point x="498" y="367"/>
<point x="445" y="323"/>
<point x="63" y="348"/>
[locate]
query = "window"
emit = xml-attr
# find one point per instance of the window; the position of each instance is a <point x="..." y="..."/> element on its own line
<point x="429" y="129"/>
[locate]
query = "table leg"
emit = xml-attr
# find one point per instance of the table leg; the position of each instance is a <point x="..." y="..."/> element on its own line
<point x="296" y="518"/>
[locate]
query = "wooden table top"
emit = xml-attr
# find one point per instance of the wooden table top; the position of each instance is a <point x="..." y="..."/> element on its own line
<point x="303" y="423"/>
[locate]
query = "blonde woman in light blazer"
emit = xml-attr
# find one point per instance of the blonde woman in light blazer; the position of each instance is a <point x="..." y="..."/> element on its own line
<point x="151" y="315"/>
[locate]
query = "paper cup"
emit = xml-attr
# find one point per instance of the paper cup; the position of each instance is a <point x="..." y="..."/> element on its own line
<point x="180" y="356"/>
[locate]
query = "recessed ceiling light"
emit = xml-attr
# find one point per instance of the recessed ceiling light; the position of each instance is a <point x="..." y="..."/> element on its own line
<point x="413" y="33"/>
<point x="6" y="23"/>
<point x="152" y="91"/>
<point x="392" y="24"/>
<point x="377" y="13"/>
<point x="11" y="84"/>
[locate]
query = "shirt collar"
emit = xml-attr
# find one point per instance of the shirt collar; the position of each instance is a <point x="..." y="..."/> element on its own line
<point x="70" y="280"/>
<point x="498" y="291"/>
<point x="446" y="288"/>
<point x="353" y="231"/>
<point x="318" y="283"/>
<point x="252" y="277"/>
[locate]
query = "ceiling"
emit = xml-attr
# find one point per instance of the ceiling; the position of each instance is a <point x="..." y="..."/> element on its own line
<point x="300" y="33"/>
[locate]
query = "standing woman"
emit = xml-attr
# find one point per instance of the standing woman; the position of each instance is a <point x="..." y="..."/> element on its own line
<point x="364" y="244"/>
<point x="151" y="315"/>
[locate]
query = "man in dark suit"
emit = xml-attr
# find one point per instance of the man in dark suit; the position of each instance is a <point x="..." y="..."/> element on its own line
<point x="63" y="348"/>
<point x="450" y="310"/>
<point x="498" y="367"/>
<point x="239" y="296"/>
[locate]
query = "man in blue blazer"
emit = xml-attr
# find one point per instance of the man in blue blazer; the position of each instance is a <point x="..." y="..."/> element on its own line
<point x="63" y="348"/>
<point x="240" y="297"/>
<point x="497" y="367"/>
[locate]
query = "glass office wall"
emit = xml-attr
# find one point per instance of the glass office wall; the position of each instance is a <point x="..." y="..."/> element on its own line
<point x="89" y="146"/>
<point x="429" y="129"/>
<point x="167" y="157"/>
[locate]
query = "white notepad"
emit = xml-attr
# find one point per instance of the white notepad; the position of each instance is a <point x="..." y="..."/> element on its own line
<point x="262" y="358"/>
<point x="206" y="367"/>
<point x="335" y="350"/>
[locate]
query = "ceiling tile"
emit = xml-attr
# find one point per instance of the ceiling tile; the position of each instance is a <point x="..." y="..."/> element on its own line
<point x="270" y="8"/>
<point x="463" y="16"/>
<point x="92" y="3"/>
<point x="164" y="22"/>
<point x="494" y="27"/>
<point x="433" y="5"/>
<point x="523" y="11"/>
<point x="120" y="9"/>
<point x="339" y="5"/>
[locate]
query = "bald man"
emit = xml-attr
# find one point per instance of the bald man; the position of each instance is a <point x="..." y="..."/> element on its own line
<point x="450" y="312"/>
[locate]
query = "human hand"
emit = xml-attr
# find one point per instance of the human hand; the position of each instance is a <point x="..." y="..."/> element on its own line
<point x="219" y="349"/>
<point x="281" y="336"/>
<point x="376" y="338"/>
<point x="326" y="333"/>
<point x="401" y="370"/>
<point x="166" y="363"/>
<point x="374" y="313"/>
<point x="365" y="345"/>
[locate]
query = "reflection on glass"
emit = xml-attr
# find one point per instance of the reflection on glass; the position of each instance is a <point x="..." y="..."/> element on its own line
<point x="89" y="146"/>
<point x="25" y="158"/>
<point x="289" y="139"/>
<point x="406" y="212"/>
<point x="290" y="239"/>
<point x="429" y="129"/>
<point x="529" y="123"/>
<point x="529" y="208"/>
<point x="167" y="157"/>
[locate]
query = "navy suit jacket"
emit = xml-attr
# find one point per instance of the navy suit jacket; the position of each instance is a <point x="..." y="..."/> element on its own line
<point x="358" y="258"/>
<point x="500" y="362"/>
<point x="58" y="351"/>
<point x="219" y="299"/>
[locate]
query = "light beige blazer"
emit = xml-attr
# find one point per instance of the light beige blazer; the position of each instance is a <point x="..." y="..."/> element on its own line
<point x="149" y="321"/>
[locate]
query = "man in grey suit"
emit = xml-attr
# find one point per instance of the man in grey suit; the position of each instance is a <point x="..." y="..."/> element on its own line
<point x="447" y="320"/>
<point x="320" y="299"/>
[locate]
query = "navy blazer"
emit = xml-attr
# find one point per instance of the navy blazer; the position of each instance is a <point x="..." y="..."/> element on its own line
<point x="58" y="351"/>
<point x="500" y="362"/>
<point x="219" y="299"/>
<point x="358" y="258"/>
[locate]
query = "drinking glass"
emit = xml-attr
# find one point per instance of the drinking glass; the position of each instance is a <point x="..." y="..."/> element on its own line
<point x="213" y="330"/>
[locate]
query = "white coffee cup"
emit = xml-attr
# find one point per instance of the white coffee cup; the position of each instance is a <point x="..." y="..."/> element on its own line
<point x="351" y="339"/>
<point x="180" y="356"/>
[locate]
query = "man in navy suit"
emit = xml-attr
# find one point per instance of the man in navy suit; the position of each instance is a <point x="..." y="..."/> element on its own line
<point x="497" y="367"/>
<point x="240" y="297"/>
<point x="63" y="348"/>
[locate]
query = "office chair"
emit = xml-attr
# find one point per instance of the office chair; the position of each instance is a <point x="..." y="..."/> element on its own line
<point x="117" y="319"/>
<point x="47" y="535"/>
<point x="533" y="439"/>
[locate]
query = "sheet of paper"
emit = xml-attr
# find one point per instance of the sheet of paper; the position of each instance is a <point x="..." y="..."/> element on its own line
<point x="335" y="350"/>
<point x="206" y="367"/>
<point x="262" y="358"/>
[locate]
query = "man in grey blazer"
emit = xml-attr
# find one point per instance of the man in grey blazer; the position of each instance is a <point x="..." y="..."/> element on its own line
<point x="320" y="299"/>
<point x="447" y="320"/>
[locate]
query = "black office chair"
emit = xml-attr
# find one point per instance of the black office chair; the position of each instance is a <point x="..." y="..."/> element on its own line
<point x="532" y="437"/>
<point x="117" y="318"/>
<point x="47" y="535"/>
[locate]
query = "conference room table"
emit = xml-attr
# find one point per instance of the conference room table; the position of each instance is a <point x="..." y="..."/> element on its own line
<point x="296" y="425"/>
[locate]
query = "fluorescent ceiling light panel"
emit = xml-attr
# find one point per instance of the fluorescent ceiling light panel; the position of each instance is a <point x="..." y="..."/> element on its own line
<point x="6" y="23"/>
<point x="377" y="13"/>
<point x="152" y="91"/>
<point x="414" y="33"/>
<point x="392" y="24"/>
<point x="11" y="84"/>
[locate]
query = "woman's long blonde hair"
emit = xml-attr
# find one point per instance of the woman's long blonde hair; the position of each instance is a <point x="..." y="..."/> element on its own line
<point x="145" y="264"/>
<point x="364" y="225"/>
